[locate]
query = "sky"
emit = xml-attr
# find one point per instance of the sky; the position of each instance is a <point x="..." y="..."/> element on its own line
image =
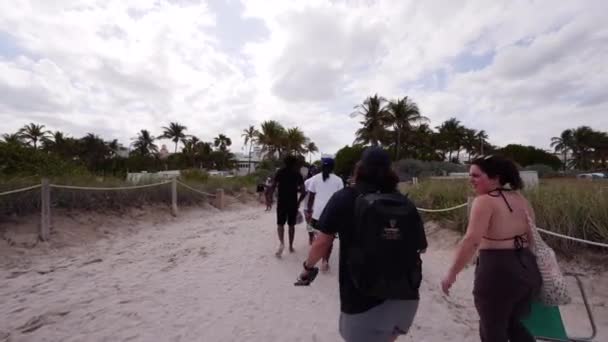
<point x="523" y="71"/>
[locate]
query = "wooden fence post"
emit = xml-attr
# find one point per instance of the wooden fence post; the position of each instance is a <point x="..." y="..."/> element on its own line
<point x="220" y="200"/>
<point x="174" y="197"/>
<point x="45" y="210"/>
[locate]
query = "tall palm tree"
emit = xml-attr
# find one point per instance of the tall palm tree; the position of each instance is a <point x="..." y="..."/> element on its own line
<point x="175" y="132"/>
<point x="222" y="142"/>
<point x="33" y="133"/>
<point x="403" y="114"/>
<point x="52" y="142"/>
<point x="564" y="144"/>
<point x="582" y="146"/>
<point x="144" y="143"/>
<point x="250" y="135"/>
<point x="271" y="137"/>
<point x="93" y="151"/>
<point x="374" y="113"/>
<point x="311" y="148"/>
<point x="295" y="141"/>
<point x="600" y="146"/>
<point x="482" y="139"/>
<point x="451" y="133"/>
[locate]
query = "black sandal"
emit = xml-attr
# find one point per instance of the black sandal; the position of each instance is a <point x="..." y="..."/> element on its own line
<point x="312" y="274"/>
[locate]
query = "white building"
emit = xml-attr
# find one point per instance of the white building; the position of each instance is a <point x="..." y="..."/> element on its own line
<point x="244" y="164"/>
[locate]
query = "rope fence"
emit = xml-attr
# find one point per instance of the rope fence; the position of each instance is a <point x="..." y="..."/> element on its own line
<point x="544" y="231"/>
<point x="88" y="188"/>
<point x="443" y="210"/>
<point x="15" y="191"/>
<point x="195" y="190"/>
<point x="593" y="243"/>
<point x="219" y="201"/>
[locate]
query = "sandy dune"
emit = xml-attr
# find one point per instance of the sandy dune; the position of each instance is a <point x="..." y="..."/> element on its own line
<point x="211" y="276"/>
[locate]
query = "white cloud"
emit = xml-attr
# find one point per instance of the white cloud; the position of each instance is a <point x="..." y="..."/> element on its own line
<point x="114" y="67"/>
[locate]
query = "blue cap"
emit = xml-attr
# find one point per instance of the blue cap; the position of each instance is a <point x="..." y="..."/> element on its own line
<point x="327" y="161"/>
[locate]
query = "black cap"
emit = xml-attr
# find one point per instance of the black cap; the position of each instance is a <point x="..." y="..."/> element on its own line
<point x="376" y="157"/>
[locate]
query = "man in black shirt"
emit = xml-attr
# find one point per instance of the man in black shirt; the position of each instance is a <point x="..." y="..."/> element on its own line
<point x="289" y="182"/>
<point x="364" y="317"/>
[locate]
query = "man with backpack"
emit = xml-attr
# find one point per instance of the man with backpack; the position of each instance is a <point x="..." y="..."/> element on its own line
<point x="381" y="238"/>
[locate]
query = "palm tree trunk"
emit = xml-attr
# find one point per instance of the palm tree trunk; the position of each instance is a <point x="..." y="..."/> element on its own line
<point x="249" y="165"/>
<point x="398" y="144"/>
<point x="176" y="146"/>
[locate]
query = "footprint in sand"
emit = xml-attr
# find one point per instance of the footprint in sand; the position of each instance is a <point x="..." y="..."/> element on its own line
<point x="38" y="322"/>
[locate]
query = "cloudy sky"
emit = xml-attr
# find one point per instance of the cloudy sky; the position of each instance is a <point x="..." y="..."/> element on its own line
<point x="521" y="70"/>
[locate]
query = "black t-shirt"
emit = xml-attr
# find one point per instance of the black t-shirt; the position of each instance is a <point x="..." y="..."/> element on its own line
<point x="290" y="184"/>
<point x="339" y="217"/>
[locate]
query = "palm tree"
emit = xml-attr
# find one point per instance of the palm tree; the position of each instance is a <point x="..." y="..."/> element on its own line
<point x="250" y="135"/>
<point x="33" y="133"/>
<point x="271" y="137"/>
<point x="564" y="144"/>
<point x="451" y="134"/>
<point x="175" y="132"/>
<point x="582" y="146"/>
<point x="374" y="114"/>
<point x="222" y="142"/>
<point x="94" y="151"/>
<point x="12" y="139"/>
<point x="311" y="148"/>
<point x="144" y="143"/>
<point x="402" y="115"/>
<point x="295" y="141"/>
<point x="482" y="139"/>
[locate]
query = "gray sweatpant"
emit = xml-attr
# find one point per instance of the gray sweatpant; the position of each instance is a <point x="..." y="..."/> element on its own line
<point x="380" y="323"/>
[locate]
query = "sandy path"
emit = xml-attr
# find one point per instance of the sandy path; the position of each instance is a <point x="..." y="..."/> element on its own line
<point x="205" y="277"/>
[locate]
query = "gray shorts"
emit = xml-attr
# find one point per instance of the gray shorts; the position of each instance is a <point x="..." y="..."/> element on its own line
<point x="380" y="323"/>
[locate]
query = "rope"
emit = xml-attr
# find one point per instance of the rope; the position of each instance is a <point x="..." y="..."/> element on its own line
<point x="195" y="190"/>
<point x="71" y="187"/>
<point x="442" y="210"/>
<point x="593" y="243"/>
<point x="20" y="190"/>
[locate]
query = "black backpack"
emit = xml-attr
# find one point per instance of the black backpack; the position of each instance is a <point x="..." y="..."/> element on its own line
<point x="384" y="260"/>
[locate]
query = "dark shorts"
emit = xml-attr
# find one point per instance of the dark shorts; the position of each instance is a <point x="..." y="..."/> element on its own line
<point x="287" y="214"/>
<point x="380" y="323"/>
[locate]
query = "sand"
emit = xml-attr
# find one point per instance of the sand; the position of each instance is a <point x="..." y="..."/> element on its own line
<point x="209" y="276"/>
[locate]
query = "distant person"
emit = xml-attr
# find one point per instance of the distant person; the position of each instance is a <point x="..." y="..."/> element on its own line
<point x="507" y="278"/>
<point x="260" y="189"/>
<point x="381" y="238"/>
<point x="290" y="183"/>
<point x="269" y="193"/>
<point x="322" y="186"/>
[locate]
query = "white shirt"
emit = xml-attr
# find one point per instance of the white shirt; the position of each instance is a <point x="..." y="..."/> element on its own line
<point x="323" y="191"/>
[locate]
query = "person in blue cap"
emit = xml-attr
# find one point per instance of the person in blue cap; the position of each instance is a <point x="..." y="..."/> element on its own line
<point x="320" y="189"/>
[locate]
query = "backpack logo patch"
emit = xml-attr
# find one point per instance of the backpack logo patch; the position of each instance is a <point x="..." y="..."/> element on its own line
<point x="392" y="231"/>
